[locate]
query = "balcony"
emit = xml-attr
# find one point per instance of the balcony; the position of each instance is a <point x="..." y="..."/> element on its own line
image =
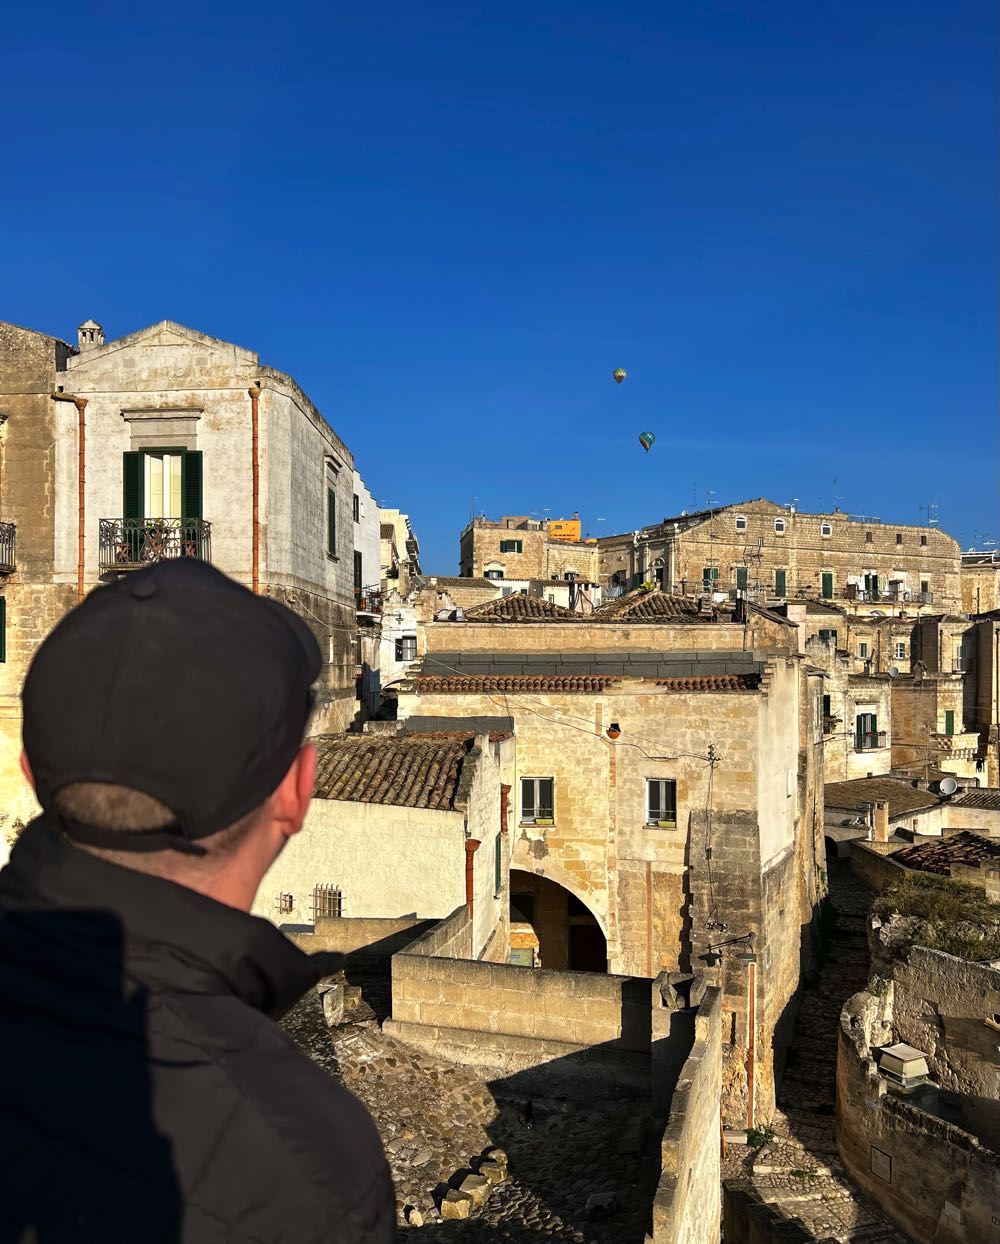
<point x="368" y="600"/>
<point x="8" y="535"/>
<point x="870" y="741"/>
<point x="132" y="543"/>
<point x="891" y="595"/>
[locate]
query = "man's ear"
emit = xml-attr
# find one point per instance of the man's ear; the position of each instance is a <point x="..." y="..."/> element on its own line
<point x="26" y="768"/>
<point x="291" y="799"/>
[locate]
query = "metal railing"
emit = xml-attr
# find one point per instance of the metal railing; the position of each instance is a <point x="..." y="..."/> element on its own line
<point x="886" y="595"/>
<point x="131" y="543"/>
<point x="870" y="741"/>
<point x="368" y="599"/>
<point x="8" y="537"/>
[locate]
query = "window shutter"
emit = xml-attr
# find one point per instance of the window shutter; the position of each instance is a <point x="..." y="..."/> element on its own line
<point x="497" y="864"/>
<point x="191" y="484"/>
<point x="331" y="522"/>
<point x="741" y="577"/>
<point x="827" y="586"/>
<point x="132" y="484"/>
<point x="949" y="721"/>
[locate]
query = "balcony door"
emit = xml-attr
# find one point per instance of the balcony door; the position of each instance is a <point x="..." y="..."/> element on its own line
<point x="162" y="483"/>
<point x="162" y="475"/>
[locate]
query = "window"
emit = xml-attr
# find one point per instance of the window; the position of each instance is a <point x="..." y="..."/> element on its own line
<point x="511" y="546"/>
<point x="406" y="648"/>
<point x="949" y="721"/>
<point x="779" y="526"/>
<point x="286" y="903"/>
<point x="498" y="865"/>
<point x="923" y="539"/>
<point x="536" y="800"/>
<point x="925" y="585"/>
<point x="710" y="578"/>
<point x="570" y="575"/>
<point x="826" y="529"/>
<point x="661" y="802"/>
<point x="827" y="711"/>
<point x="492" y="574"/>
<point x="866" y="732"/>
<point x="741" y="522"/>
<point x="741" y="578"/>
<point x="828" y="636"/>
<point x="900" y="650"/>
<point x="827" y="585"/>
<point x="359" y="581"/>
<point x="357" y="508"/>
<point x="779" y="582"/>
<point x="328" y="902"/>
<point x="331" y="522"/>
<point x="868" y="537"/>
<point x="863" y="650"/>
<point x="3" y="628"/>
<point x="161" y="483"/>
<point x="899" y="538"/>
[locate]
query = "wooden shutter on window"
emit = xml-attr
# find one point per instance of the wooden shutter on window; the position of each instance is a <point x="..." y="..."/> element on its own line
<point x="191" y="472"/>
<point x="331" y="522"/>
<point x="132" y="485"/>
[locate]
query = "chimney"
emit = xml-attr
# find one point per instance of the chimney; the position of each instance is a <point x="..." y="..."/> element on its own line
<point x="89" y="335"/>
<point x="881" y="821"/>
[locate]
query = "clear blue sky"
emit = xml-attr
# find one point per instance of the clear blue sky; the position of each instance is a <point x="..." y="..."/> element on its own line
<point x="451" y="221"/>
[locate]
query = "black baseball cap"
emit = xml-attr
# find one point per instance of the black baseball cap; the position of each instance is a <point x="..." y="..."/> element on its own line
<point x="177" y="682"/>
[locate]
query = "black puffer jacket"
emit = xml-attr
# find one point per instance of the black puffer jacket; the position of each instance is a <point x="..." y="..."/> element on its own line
<point x="145" y="1094"/>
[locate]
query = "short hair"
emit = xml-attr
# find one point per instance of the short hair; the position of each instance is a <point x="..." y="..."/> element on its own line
<point x="106" y="805"/>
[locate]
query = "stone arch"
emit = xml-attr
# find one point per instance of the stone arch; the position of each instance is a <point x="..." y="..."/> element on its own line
<point x="568" y="935"/>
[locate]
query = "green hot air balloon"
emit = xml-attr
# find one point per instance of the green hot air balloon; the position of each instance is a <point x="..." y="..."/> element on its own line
<point x="619" y="374"/>
<point x="646" y="440"/>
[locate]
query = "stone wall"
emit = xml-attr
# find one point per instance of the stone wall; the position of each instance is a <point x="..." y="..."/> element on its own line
<point x="873" y="864"/>
<point x="367" y="944"/>
<point x="934" y="1179"/>
<point x="686" y="1206"/>
<point x="763" y="634"/>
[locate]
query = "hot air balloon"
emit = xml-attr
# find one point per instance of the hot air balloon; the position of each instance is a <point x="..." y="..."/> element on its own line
<point x="646" y="440"/>
<point x="619" y="374"/>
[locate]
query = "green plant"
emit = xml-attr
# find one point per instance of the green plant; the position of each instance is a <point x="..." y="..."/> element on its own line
<point x="942" y="903"/>
<point x="804" y="1172"/>
<point x="758" y="1137"/>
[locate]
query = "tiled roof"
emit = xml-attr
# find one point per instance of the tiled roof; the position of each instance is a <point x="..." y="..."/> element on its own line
<point x="986" y="797"/>
<point x="518" y="607"/>
<point x="708" y="682"/>
<point x="651" y="607"/>
<point x="938" y="857"/>
<point x="900" y="796"/>
<point x="513" y="683"/>
<point x="404" y="771"/>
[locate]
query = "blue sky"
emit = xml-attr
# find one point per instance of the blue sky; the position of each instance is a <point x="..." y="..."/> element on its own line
<point x="451" y="222"/>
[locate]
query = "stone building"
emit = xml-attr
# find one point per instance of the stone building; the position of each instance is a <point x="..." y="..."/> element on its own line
<point x="774" y="553"/>
<point x="519" y="548"/>
<point x="405" y="825"/>
<point x="667" y="794"/>
<point x="980" y="576"/>
<point x="367" y="598"/>
<point x="399" y="552"/>
<point x="168" y="443"/>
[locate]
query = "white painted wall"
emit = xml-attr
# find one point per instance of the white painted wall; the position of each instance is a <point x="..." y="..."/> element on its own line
<point x="366" y="533"/>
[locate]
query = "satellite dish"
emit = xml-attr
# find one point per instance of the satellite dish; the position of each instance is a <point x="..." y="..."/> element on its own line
<point x="893" y="671"/>
<point x="948" y="786"/>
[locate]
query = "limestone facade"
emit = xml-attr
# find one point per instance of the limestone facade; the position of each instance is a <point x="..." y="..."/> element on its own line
<point x="742" y="846"/>
<point x="775" y="553"/>
<point x="167" y="416"/>
<point x="980" y="582"/>
<point x="517" y="547"/>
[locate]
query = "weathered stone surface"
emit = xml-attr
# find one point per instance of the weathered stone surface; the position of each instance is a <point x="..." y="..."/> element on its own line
<point x="456" y="1204"/>
<point x="492" y="1172"/>
<point x="477" y="1187"/>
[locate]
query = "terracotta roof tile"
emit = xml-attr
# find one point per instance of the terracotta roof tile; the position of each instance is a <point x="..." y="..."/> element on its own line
<point x="405" y="771"/>
<point x="652" y="607"/>
<point x="712" y="682"/>
<point x="938" y="857"/>
<point x="986" y="797"/>
<point x="519" y="607"/>
<point x="513" y="683"/>
<point x="901" y="796"/>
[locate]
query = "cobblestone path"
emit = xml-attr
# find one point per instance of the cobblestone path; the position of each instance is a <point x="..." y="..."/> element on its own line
<point x="436" y="1119"/>
<point x="799" y="1172"/>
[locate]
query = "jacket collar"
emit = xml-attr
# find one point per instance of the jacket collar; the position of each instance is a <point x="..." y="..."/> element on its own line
<point x="159" y="934"/>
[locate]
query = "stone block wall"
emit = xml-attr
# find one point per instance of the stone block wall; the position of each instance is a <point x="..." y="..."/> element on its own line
<point x="686" y="1206"/>
<point x="367" y="944"/>
<point x="874" y="866"/>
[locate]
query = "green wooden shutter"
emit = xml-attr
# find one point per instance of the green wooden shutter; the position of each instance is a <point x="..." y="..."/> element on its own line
<point x="132" y="498"/>
<point x="191" y="479"/>
<point x="497" y="864"/>
<point x="949" y="721"/>
<point x="779" y="583"/>
<point x="331" y="522"/>
<point x="827" y="586"/>
<point x="741" y="578"/>
<point x="3" y="628"/>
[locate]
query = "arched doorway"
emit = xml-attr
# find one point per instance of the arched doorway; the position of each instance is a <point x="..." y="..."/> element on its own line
<point x="569" y="935"/>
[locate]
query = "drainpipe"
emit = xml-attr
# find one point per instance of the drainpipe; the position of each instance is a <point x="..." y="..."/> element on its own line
<point x="81" y="405"/>
<point x="504" y="795"/>
<point x="471" y="847"/>
<point x="751" y="1044"/>
<point x="254" y="392"/>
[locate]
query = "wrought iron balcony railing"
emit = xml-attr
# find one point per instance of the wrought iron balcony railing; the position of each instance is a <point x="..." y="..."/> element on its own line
<point x="368" y="600"/>
<point x="8" y="535"/>
<point x="131" y="543"/>
<point x="870" y="741"/>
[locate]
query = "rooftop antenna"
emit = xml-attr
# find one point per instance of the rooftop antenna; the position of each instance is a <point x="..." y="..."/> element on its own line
<point x="931" y="510"/>
<point x="709" y="495"/>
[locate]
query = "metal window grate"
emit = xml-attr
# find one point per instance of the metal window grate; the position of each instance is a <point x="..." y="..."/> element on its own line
<point x="328" y="902"/>
<point x="286" y="903"/>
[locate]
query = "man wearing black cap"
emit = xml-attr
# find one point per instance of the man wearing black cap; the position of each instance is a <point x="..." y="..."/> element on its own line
<point x="146" y="1093"/>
